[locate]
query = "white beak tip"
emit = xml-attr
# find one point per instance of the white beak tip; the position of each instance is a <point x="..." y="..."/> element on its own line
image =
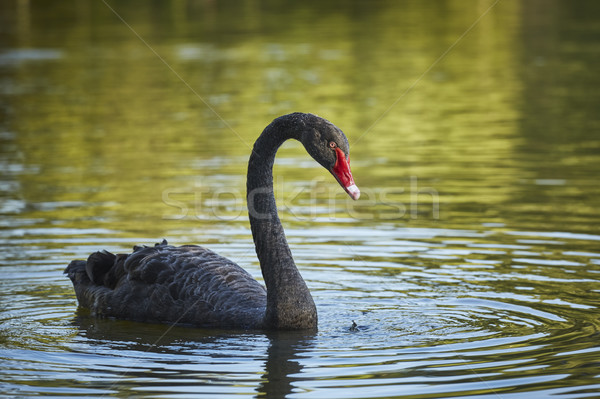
<point x="353" y="191"/>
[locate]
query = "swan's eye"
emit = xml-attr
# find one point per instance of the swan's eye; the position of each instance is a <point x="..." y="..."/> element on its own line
<point x="332" y="144"/>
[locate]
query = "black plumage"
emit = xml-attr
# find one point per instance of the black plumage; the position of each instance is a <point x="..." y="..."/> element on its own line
<point x="192" y="285"/>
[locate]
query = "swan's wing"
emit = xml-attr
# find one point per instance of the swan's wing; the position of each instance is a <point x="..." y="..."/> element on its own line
<point x="187" y="284"/>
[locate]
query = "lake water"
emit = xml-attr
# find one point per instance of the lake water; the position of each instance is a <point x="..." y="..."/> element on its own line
<point x="471" y="263"/>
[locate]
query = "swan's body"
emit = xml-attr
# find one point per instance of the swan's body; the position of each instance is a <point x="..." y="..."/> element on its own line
<point x="188" y="285"/>
<point x="195" y="286"/>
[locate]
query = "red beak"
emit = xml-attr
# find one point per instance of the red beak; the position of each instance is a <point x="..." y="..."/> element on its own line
<point x="341" y="171"/>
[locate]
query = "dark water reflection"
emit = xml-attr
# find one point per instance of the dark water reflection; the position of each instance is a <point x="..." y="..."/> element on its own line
<point x="193" y="361"/>
<point x="470" y="264"/>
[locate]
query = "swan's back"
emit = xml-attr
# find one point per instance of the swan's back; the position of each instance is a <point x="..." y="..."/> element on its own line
<point x="187" y="285"/>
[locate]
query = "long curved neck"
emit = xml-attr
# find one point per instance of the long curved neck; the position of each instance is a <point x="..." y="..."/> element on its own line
<point x="289" y="303"/>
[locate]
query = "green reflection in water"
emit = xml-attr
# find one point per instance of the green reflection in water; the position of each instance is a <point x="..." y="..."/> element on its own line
<point x="109" y="107"/>
<point x="104" y="121"/>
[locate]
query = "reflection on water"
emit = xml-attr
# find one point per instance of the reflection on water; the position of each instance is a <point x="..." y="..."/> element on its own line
<point x="470" y="265"/>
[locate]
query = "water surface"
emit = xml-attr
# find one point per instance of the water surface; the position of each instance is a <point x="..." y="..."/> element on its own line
<point x="470" y="265"/>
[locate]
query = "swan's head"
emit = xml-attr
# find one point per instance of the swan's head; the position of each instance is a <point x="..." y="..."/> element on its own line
<point x="328" y="145"/>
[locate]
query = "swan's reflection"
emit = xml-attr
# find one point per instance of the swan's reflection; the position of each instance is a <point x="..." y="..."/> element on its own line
<point x="191" y="360"/>
<point x="282" y="367"/>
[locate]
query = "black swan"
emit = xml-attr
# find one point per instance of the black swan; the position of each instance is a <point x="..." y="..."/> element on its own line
<point x="192" y="285"/>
